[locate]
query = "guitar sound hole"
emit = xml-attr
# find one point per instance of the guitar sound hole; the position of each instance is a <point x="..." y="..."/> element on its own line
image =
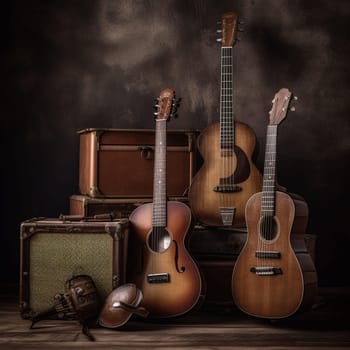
<point x="159" y="239"/>
<point x="268" y="228"/>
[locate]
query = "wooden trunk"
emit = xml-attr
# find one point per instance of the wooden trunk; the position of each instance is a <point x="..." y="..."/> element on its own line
<point x="120" y="162"/>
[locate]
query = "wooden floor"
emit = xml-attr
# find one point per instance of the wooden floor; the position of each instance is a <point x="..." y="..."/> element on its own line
<point x="326" y="326"/>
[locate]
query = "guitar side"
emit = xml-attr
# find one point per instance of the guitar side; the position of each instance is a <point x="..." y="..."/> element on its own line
<point x="183" y="290"/>
<point x="204" y="201"/>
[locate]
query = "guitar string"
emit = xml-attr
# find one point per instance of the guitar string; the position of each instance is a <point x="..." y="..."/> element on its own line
<point x="223" y="105"/>
<point x="269" y="191"/>
<point x="226" y="124"/>
<point x="269" y="154"/>
<point x="266" y="196"/>
<point x="161" y="200"/>
<point x="272" y="188"/>
<point x="230" y="119"/>
<point x="157" y="204"/>
<point x="264" y="205"/>
<point x="222" y="134"/>
<point x="155" y="200"/>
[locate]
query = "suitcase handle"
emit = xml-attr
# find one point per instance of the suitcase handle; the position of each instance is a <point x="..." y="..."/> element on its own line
<point x="97" y="217"/>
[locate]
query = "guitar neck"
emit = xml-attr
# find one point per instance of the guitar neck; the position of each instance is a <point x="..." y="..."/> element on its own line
<point x="159" y="180"/>
<point x="269" y="180"/>
<point x="226" y="100"/>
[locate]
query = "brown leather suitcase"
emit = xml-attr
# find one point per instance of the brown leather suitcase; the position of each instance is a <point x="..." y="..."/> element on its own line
<point x="216" y="243"/>
<point x="119" y="207"/>
<point x="120" y="162"/>
<point x="54" y="250"/>
<point x="217" y="275"/>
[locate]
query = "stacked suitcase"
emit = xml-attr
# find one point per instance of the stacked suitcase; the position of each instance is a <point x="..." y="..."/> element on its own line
<point x="116" y="176"/>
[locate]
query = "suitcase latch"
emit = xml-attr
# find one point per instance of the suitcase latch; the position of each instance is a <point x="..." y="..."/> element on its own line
<point x="146" y="152"/>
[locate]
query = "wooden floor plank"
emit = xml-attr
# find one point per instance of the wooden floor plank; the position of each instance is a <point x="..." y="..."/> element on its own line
<point x="326" y="327"/>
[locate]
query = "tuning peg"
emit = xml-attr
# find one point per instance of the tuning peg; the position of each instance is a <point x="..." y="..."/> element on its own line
<point x="240" y="29"/>
<point x="218" y="22"/>
<point x="241" y="21"/>
<point x="219" y="31"/>
<point x="292" y="109"/>
<point x="295" y="97"/>
<point x="176" y="102"/>
<point x="156" y="113"/>
<point x="219" y="40"/>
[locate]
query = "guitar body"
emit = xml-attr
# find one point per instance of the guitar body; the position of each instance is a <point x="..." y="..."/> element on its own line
<point x="269" y="296"/>
<point x="205" y="202"/>
<point x="183" y="288"/>
<point x="274" y="276"/>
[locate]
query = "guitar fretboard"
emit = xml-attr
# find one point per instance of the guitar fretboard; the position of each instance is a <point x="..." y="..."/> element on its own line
<point x="269" y="181"/>
<point x="159" y="180"/>
<point x="226" y="103"/>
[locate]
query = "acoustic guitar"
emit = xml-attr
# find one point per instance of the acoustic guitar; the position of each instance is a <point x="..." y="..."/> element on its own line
<point x="270" y="279"/>
<point x="228" y="176"/>
<point x="159" y="263"/>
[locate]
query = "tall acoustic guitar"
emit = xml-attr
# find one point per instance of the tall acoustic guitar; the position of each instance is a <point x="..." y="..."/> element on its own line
<point x="159" y="263"/>
<point x="274" y="276"/>
<point x="228" y="177"/>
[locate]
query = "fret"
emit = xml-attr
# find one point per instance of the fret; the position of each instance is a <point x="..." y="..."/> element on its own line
<point x="159" y="182"/>
<point x="226" y="103"/>
<point x="269" y="182"/>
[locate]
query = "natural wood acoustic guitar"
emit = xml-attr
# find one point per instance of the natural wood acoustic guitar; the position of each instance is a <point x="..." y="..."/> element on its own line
<point x="228" y="176"/>
<point x="159" y="263"/>
<point x="274" y="276"/>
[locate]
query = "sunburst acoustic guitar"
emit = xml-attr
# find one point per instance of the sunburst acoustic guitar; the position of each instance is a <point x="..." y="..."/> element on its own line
<point x="228" y="176"/>
<point x="159" y="263"/>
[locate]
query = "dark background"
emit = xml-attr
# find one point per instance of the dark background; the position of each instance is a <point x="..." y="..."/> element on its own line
<point x="74" y="64"/>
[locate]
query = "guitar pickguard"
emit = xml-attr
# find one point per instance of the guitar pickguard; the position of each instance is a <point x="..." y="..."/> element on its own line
<point x="242" y="170"/>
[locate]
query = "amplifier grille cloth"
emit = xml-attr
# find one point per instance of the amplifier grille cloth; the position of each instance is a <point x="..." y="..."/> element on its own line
<point x="55" y="257"/>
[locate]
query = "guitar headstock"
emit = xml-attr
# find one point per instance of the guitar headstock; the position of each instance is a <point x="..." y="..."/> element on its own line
<point x="280" y="106"/>
<point x="229" y="21"/>
<point x="166" y="105"/>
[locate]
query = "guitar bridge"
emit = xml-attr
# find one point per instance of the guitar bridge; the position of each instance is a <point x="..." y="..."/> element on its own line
<point x="227" y="188"/>
<point x="227" y="215"/>
<point x="266" y="270"/>
<point x="158" y="278"/>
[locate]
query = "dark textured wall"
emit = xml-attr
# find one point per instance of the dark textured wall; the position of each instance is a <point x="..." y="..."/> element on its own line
<point x="69" y="65"/>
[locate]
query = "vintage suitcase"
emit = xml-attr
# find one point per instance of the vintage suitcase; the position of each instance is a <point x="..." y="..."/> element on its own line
<point x="216" y="243"/>
<point x="120" y="162"/>
<point x="54" y="250"/>
<point x="216" y="250"/>
<point x="119" y="207"/>
<point x="220" y="243"/>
